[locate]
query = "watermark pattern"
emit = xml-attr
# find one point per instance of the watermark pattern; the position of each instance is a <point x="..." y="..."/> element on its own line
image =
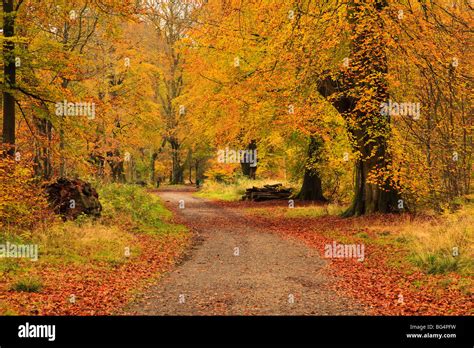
<point x="400" y="109"/>
<point x="345" y="251"/>
<point x="11" y="250"/>
<point x="37" y="331"/>
<point x="346" y="62"/>
<point x="291" y="14"/>
<point x="66" y="108"/>
<point x="237" y="156"/>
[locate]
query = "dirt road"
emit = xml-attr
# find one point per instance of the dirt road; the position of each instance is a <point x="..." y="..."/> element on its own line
<point x="238" y="269"/>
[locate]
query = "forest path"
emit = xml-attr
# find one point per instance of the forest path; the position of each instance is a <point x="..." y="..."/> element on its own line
<point x="235" y="268"/>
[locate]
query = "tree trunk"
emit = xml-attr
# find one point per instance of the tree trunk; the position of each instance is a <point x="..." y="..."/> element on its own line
<point x="118" y="173"/>
<point x="191" y="173"/>
<point x="372" y="129"/>
<point x="99" y="162"/>
<point x="372" y="197"/>
<point x="117" y="167"/>
<point x="9" y="73"/>
<point x="177" y="175"/>
<point x="62" y="158"/>
<point x="153" y="158"/>
<point x="368" y="128"/>
<point x="196" y="170"/>
<point x="43" y="166"/>
<point x="250" y="169"/>
<point x="312" y="190"/>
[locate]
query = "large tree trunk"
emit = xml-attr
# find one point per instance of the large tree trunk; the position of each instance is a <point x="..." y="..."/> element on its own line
<point x="250" y="169"/>
<point x="311" y="189"/>
<point x="9" y="73"/>
<point x="368" y="128"/>
<point x="371" y="129"/>
<point x="372" y="197"/>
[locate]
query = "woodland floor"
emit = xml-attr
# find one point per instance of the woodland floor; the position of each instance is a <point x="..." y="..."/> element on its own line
<point x="271" y="275"/>
<point x="242" y="258"/>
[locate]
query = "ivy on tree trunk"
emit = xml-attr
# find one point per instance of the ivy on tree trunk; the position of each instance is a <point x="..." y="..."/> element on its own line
<point x="368" y="129"/>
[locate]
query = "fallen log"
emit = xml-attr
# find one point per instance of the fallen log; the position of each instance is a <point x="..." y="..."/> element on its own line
<point x="267" y="192"/>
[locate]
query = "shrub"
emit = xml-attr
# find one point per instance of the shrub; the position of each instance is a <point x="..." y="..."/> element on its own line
<point x="20" y="204"/>
<point x="135" y="206"/>
<point x="28" y="284"/>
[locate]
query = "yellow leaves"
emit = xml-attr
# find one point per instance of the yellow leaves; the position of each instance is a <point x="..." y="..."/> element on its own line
<point x="20" y="203"/>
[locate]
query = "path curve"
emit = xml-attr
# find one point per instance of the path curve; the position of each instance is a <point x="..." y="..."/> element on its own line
<point x="238" y="269"/>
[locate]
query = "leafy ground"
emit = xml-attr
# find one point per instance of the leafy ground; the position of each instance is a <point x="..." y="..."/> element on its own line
<point x="115" y="265"/>
<point x="237" y="268"/>
<point x="408" y="267"/>
<point x="94" y="267"/>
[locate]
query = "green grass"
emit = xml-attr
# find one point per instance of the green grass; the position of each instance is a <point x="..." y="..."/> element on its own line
<point x="312" y="211"/>
<point x="83" y="242"/>
<point x="134" y="201"/>
<point x="441" y="263"/>
<point x="431" y="244"/>
<point x="27" y="284"/>
<point x="101" y="245"/>
<point x="6" y="310"/>
<point x="142" y="211"/>
<point x="9" y="265"/>
<point x="221" y="191"/>
<point x="127" y="210"/>
<point x="315" y="211"/>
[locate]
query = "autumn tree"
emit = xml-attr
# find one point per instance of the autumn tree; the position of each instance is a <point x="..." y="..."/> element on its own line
<point x="170" y="19"/>
<point x="10" y="9"/>
<point x="357" y="93"/>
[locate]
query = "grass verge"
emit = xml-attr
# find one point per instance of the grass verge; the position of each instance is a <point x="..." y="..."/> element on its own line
<point x="98" y="261"/>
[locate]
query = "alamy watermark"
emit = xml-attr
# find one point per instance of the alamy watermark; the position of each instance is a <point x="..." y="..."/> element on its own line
<point x="346" y="251"/>
<point x="237" y="156"/>
<point x="66" y="108"/>
<point x="11" y="250"/>
<point x="37" y="331"/>
<point x="400" y="109"/>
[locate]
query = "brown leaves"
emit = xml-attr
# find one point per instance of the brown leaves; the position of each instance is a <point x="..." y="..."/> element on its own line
<point x="385" y="282"/>
<point x="96" y="288"/>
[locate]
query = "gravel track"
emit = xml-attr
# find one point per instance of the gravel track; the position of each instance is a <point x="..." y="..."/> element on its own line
<point x="235" y="268"/>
